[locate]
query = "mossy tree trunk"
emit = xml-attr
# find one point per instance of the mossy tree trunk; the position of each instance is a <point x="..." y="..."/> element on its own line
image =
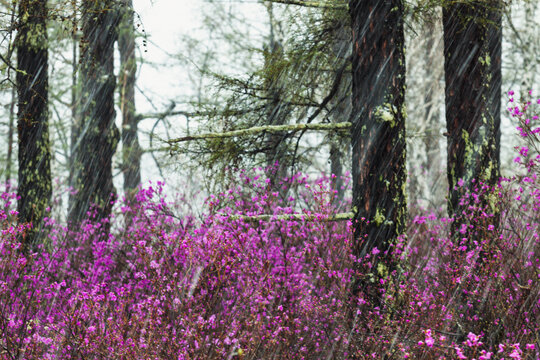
<point x="35" y="186"/>
<point x="378" y="130"/>
<point x="98" y="133"/>
<point x="131" y="150"/>
<point x="472" y="52"/>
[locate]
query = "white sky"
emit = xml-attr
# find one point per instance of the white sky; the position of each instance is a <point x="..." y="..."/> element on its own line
<point x="164" y="22"/>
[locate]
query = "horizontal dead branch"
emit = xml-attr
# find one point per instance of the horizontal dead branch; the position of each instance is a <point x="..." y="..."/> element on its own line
<point x="313" y="4"/>
<point x="265" y="129"/>
<point x="292" y="217"/>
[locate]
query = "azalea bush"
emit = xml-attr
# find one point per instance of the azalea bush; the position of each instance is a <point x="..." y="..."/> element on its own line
<point x="163" y="284"/>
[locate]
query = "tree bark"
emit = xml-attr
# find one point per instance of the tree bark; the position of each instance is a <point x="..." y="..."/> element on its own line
<point x="98" y="133"/>
<point x="9" y="157"/>
<point x="378" y="118"/>
<point x="35" y="187"/>
<point x="472" y="52"/>
<point x="131" y="150"/>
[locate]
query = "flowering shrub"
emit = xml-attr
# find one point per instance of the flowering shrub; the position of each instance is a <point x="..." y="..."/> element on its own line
<point x="161" y="287"/>
<point x="164" y="285"/>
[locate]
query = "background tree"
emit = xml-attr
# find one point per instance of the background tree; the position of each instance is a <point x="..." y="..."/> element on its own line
<point x="34" y="182"/>
<point x="340" y="106"/>
<point x="472" y="52"/>
<point x="98" y="133"/>
<point x="131" y="150"/>
<point x="75" y="128"/>
<point x="378" y="120"/>
<point x="426" y="145"/>
<point x="277" y="109"/>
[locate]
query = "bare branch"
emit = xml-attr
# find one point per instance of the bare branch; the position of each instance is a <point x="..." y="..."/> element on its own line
<point x="292" y="217"/>
<point x="268" y="129"/>
<point x="312" y="4"/>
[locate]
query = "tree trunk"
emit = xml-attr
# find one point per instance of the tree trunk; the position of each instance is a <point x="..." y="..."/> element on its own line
<point x="9" y="157"/>
<point x="341" y="110"/>
<point x="378" y="117"/>
<point x="35" y="187"/>
<point x="431" y="141"/>
<point x="431" y="164"/>
<point x="277" y="111"/>
<point x="75" y="118"/>
<point x="472" y="52"/>
<point x="131" y="151"/>
<point x="98" y="133"/>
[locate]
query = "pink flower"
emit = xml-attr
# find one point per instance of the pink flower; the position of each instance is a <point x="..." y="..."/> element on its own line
<point x="459" y="353"/>
<point x="473" y="340"/>
<point x="485" y="355"/>
<point x="515" y="354"/>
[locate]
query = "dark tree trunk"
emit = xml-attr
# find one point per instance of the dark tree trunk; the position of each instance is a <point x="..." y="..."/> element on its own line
<point x="472" y="52"/>
<point x="336" y="169"/>
<point x="378" y="118"/>
<point x="131" y="151"/>
<point x="9" y="157"/>
<point x="98" y="133"/>
<point x="35" y="186"/>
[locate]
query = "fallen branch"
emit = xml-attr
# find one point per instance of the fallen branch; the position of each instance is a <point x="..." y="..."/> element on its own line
<point x="292" y="217"/>
<point x="313" y="4"/>
<point x="268" y="129"/>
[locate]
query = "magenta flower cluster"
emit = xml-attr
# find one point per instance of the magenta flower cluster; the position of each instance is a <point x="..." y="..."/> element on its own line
<point x="228" y="285"/>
